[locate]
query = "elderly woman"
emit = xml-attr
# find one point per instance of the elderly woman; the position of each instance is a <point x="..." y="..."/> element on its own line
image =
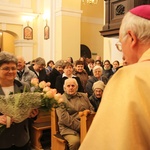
<point x="97" y="75"/>
<point x="95" y="98"/>
<point x="68" y="119"/>
<point x="17" y="135"/>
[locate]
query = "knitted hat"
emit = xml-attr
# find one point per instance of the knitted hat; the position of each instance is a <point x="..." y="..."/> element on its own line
<point x="98" y="85"/>
<point x="142" y="11"/>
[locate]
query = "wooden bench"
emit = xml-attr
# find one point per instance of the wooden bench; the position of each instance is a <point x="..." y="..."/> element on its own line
<point x="58" y="142"/>
<point x="40" y="124"/>
<point x="86" y="118"/>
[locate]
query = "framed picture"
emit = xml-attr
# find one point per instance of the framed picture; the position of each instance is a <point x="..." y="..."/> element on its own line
<point x="46" y="32"/>
<point x="28" y="33"/>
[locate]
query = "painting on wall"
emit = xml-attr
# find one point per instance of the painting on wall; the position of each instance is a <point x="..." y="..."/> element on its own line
<point x="46" y="32"/>
<point x="28" y="33"/>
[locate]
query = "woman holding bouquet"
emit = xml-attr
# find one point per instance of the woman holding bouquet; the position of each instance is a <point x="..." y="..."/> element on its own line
<point x="15" y="137"/>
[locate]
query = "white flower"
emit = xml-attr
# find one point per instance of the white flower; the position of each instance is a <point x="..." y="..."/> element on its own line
<point x="32" y="89"/>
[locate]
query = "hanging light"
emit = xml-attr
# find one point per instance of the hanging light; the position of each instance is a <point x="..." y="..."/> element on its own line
<point x="90" y="1"/>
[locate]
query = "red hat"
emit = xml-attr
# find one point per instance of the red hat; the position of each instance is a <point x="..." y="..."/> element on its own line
<point x="142" y="11"/>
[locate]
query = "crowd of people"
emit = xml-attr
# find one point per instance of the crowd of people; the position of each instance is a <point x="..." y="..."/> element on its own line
<point x="86" y="71"/>
<point x="80" y="82"/>
<point x="121" y="104"/>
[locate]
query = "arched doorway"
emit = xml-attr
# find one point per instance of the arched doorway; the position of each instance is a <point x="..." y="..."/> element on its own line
<point x="7" y="39"/>
<point x="85" y="51"/>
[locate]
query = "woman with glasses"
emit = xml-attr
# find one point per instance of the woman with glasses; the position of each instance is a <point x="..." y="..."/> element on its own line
<point x="16" y="137"/>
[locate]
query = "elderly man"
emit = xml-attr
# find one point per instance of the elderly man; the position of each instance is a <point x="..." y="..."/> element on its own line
<point x="39" y="69"/>
<point x="68" y="119"/>
<point x="24" y="74"/>
<point x="123" y="120"/>
<point x="95" y="98"/>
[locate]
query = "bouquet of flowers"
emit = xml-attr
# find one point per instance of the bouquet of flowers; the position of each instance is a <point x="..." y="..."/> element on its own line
<point x="18" y="106"/>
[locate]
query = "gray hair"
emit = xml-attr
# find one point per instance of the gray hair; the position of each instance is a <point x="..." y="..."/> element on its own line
<point x="139" y="25"/>
<point x="6" y="57"/>
<point x="98" y="67"/>
<point x="59" y="63"/>
<point x="40" y="61"/>
<point x="70" y="79"/>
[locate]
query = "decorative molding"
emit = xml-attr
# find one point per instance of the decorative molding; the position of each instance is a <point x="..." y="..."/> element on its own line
<point x="12" y="13"/>
<point x="10" y="20"/>
<point x="23" y="6"/>
<point x="68" y="12"/>
<point x="92" y="20"/>
<point x="16" y="13"/>
<point x="14" y="17"/>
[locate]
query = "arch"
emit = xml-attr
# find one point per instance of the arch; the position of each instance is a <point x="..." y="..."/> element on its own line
<point x="13" y="34"/>
<point x="85" y="51"/>
<point x="5" y="38"/>
<point x="10" y="32"/>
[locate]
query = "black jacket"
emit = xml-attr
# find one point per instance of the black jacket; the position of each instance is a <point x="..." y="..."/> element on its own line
<point x="94" y="101"/>
<point x="52" y="77"/>
<point x="42" y="74"/>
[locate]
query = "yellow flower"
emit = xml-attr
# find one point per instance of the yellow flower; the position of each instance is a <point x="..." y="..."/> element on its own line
<point x="54" y="91"/>
<point x="35" y="81"/>
<point x="42" y="84"/>
<point x="60" y="100"/>
<point x="46" y="89"/>
<point x="57" y="96"/>
<point x="49" y="94"/>
<point x="48" y="84"/>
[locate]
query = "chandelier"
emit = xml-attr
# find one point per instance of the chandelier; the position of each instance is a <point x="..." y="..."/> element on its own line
<point x="90" y="1"/>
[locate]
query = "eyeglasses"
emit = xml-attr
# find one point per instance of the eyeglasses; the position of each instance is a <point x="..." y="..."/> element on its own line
<point x="8" y="69"/>
<point x="119" y="46"/>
